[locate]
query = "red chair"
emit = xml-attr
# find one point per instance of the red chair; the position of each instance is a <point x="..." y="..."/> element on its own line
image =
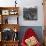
<point x="29" y="33"/>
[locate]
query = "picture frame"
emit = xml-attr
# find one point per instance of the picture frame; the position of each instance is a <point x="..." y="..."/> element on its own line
<point x="30" y="13"/>
<point x="5" y="12"/>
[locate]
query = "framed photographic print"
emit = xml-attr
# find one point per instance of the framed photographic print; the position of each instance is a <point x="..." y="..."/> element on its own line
<point x="30" y="13"/>
<point x="5" y="12"/>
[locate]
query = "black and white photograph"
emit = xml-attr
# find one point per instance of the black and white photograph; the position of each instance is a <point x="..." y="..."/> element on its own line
<point x="30" y="13"/>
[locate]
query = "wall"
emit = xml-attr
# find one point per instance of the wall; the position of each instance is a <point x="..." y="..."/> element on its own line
<point x="7" y="3"/>
<point x="37" y="29"/>
<point x="26" y="3"/>
<point x="33" y="3"/>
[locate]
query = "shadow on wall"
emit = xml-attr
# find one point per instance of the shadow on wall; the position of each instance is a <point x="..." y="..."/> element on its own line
<point x="37" y="29"/>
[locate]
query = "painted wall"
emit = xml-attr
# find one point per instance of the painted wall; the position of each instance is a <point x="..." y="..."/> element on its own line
<point x="32" y="3"/>
<point x="26" y="3"/>
<point x="7" y="3"/>
<point x="36" y="29"/>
